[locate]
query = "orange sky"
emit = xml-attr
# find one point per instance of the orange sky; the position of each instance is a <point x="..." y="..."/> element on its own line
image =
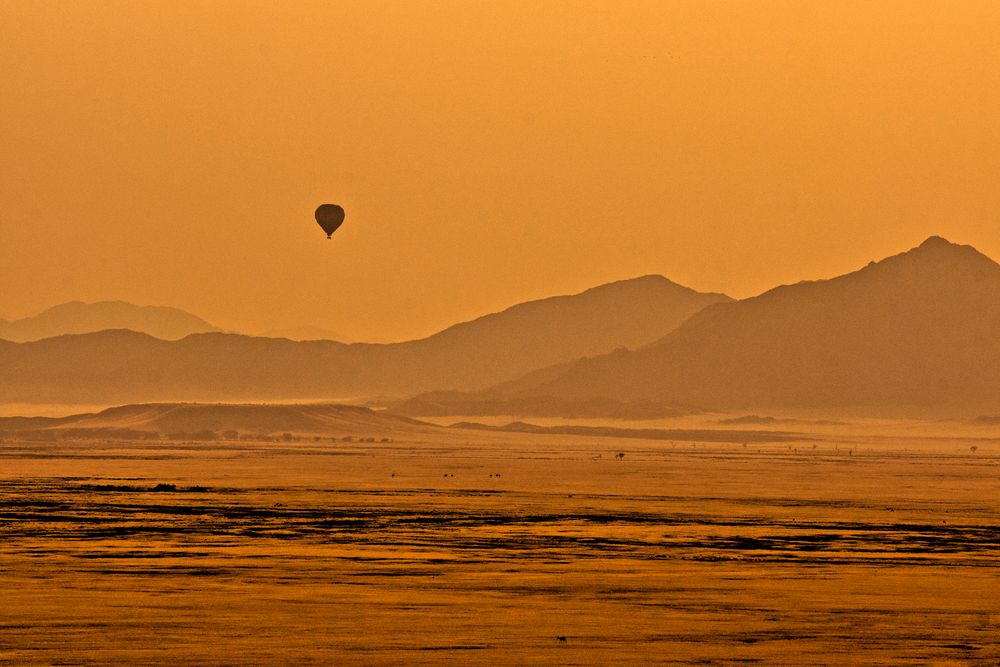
<point x="486" y="152"/>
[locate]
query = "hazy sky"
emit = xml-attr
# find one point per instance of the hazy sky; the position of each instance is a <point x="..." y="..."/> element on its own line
<point x="486" y="152"/>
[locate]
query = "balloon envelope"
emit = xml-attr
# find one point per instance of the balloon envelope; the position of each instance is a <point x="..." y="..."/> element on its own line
<point x="329" y="217"/>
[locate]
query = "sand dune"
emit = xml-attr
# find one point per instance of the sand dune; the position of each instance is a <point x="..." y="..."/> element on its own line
<point x="179" y="418"/>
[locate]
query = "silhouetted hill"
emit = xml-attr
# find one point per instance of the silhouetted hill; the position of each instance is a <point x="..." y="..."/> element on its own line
<point x="627" y="313"/>
<point x="124" y="366"/>
<point x="78" y="317"/>
<point x="916" y="331"/>
<point x="180" y="419"/>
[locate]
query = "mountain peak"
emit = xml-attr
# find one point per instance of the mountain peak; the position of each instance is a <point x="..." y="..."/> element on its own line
<point x="941" y="253"/>
<point x="939" y="244"/>
<point x="936" y="257"/>
<point x="935" y="241"/>
<point x="652" y="282"/>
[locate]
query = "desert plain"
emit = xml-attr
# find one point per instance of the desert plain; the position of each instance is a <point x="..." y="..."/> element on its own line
<point x="756" y="542"/>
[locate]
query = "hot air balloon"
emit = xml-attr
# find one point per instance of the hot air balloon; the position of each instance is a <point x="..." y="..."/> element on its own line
<point x="329" y="217"/>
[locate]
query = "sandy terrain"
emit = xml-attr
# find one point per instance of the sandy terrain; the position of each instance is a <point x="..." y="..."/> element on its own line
<point x="869" y="544"/>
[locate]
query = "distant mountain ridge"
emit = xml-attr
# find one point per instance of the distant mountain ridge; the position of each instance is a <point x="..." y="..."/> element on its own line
<point x="917" y="331"/>
<point x="120" y="366"/>
<point x="77" y="317"/>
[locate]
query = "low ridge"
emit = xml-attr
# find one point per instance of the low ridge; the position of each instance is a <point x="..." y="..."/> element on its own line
<point x="179" y="419"/>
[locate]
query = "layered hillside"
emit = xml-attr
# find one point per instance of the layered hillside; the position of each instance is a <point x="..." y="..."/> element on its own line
<point x="916" y="331"/>
<point x="77" y="317"/>
<point x="122" y="366"/>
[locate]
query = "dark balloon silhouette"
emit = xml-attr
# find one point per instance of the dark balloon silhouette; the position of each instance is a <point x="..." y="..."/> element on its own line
<point x="329" y="217"/>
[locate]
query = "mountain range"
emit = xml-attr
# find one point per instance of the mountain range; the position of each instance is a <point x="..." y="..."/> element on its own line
<point x="78" y="317"/>
<point x="119" y="366"/>
<point x="913" y="333"/>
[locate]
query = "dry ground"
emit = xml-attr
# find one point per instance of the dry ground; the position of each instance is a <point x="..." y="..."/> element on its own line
<point x="866" y="544"/>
